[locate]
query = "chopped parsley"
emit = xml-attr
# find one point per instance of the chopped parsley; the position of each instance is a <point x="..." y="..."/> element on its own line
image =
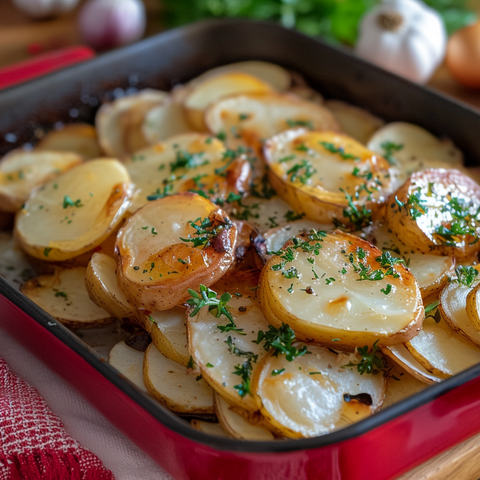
<point x="330" y="147"/>
<point x="301" y="171"/>
<point x="300" y="123"/>
<point x="370" y="362"/>
<point x="47" y="251"/>
<point x="277" y="371"/>
<point x="466" y="275"/>
<point x="280" y="341"/>
<point x="206" y="230"/>
<point x="68" y="202"/>
<point x="389" y="148"/>
<point x="187" y="160"/>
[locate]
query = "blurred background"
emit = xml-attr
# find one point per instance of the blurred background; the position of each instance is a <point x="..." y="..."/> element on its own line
<point x="31" y="29"/>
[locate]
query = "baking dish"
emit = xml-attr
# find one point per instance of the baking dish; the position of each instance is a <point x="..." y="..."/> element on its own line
<point x="379" y="447"/>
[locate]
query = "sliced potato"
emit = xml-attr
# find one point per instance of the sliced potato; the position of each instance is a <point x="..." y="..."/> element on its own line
<point x="169" y="334"/>
<point x="320" y="173"/>
<point x="431" y="271"/>
<point x="14" y="267"/>
<point x="401" y="385"/>
<point x="164" y="121"/>
<point x="402" y="357"/>
<point x="212" y="89"/>
<point x="263" y="213"/>
<point x="473" y="307"/>
<point x="129" y="362"/>
<point x="170" y="384"/>
<point x="275" y="238"/>
<point x="453" y="307"/>
<point x="276" y="76"/>
<point x="219" y="353"/>
<point x="354" y="121"/>
<point x="316" y="287"/>
<point x="63" y="295"/>
<point x="407" y="142"/>
<point x="442" y="351"/>
<point x="435" y="212"/>
<point x="75" y="212"/>
<point x="160" y="255"/>
<point x="211" y="428"/>
<point x="119" y="124"/>
<point x="307" y="93"/>
<point x="251" y="119"/>
<point x="313" y="394"/>
<point x="186" y="162"/>
<point x="21" y="171"/>
<point x="78" y="138"/>
<point x="237" y="425"/>
<point x="102" y="286"/>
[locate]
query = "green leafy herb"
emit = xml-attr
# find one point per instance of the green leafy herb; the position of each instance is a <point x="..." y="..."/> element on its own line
<point x="290" y="288"/>
<point x="291" y="216"/>
<point x="206" y="230"/>
<point x="187" y="160"/>
<point x="433" y="306"/>
<point x="466" y="275"/>
<point x="278" y="371"/>
<point x="300" y="123"/>
<point x="68" y="202"/>
<point x="280" y="340"/>
<point x="330" y="147"/>
<point x="232" y="348"/>
<point x="47" y="251"/>
<point x="243" y="371"/>
<point x="389" y="149"/>
<point x="386" y="290"/>
<point x="61" y="294"/>
<point x="191" y="363"/>
<point x="370" y="362"/>
<point x="209" y="365"/>
<point x="301" y="171"/>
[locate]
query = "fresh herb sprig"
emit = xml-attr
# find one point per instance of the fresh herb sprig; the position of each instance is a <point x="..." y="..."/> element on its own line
<point x="370" y="362"/>
<point x="280" y="340"/>
<point x="206" y="230"/>
<point x="466" y="275"/>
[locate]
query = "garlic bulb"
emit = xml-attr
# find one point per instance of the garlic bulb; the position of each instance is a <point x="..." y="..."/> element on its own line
<point x="45" y="8"/>
<point x="112" y="23"/>
<point x="403" y="36"/>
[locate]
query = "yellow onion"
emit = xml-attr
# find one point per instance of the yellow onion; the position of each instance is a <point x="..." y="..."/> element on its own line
<point x="463" y="55"/>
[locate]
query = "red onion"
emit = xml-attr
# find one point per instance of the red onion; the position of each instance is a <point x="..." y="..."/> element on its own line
<point x="112" y="23"/>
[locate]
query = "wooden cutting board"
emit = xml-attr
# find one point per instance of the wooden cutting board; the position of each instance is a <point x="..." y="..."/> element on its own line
<point x="20" y="37"/>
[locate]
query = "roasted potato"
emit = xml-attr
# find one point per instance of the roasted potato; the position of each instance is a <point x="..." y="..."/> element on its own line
<point x="129" y="362"/>
<point x="75" y="212"/>
<point x="171" y="245"/>
<point x="341" y="291"/>
<point x="326" y="175"/>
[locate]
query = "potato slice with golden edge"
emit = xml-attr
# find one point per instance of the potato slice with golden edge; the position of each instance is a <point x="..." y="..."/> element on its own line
<point x="441" y="350"/>
<point x="435" y="212"/>
<point x="264" y="213"/>
<point x="251" y="119"/>
<point x="307" y="93"/>
<point x="102" y="286"/>
<point x="354" y="121"/>
<point x="63" y="295"/>
<point x="219" y="353"/>
<point x="322" y="173"/>
<point x="275" y="238"/>
<point x="473" y="307"/>
<point x="404" y="142"/>
<point x="431" y="271"/>
<point x="21" y="171"/>
<point x="78" y="138"/>
<point x="171" y="245"/>
<point x="172" y="386"/>
<point x="75" y="212"/>
<point x="402" y="357"/>
<point x="14" y="267"/>
<point x="276" y="76"/>
<point x="401" y="385"/>
<point x="308" y="396"/>
<point x="129" y="362"/>
<point x="169" y="334"/>
<point x="237" y="425"/>
<point x="212" y="89"/>
<point x="186" y="162"/>
<point x="338" y="288"/>
<point x="453" y="307"/>
<point x="164" y="121"/>
<point x="210" y="428"/>
<point x="119" y="123"/>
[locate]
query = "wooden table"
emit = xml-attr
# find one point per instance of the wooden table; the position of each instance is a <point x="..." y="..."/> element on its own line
<point x="19" y="37"/>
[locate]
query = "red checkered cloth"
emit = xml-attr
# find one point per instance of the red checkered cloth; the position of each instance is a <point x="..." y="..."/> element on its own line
<point x="33" y="442"/>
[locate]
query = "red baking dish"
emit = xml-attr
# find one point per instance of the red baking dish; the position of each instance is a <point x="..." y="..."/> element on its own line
<point x="380" y="447"/>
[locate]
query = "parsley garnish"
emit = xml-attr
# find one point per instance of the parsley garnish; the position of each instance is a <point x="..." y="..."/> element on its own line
<point x="301" y="171"/>
<point x="437" y="315"/>
<point x="466" y="275"/>
<point x="68" y="202"/>
<point x="278" y="371"/>
<point x="291" y="216"/>
<point x="300" y="123"/>
<point x="266" y="190"/>
<point x="206" y="230"/>
<point x="359" y="217"/>
<point x="244" y="372"/>
<point x="330" y="147"/>
<point x="387" y="290"/>
<point x="187" y="160"/>
<point x="47" y="251"/>
<point x="61" y="294"/>
<point x="389" y="148"/>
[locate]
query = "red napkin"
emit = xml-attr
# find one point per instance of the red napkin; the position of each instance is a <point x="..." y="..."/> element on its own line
<point x="33" y="442"/>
